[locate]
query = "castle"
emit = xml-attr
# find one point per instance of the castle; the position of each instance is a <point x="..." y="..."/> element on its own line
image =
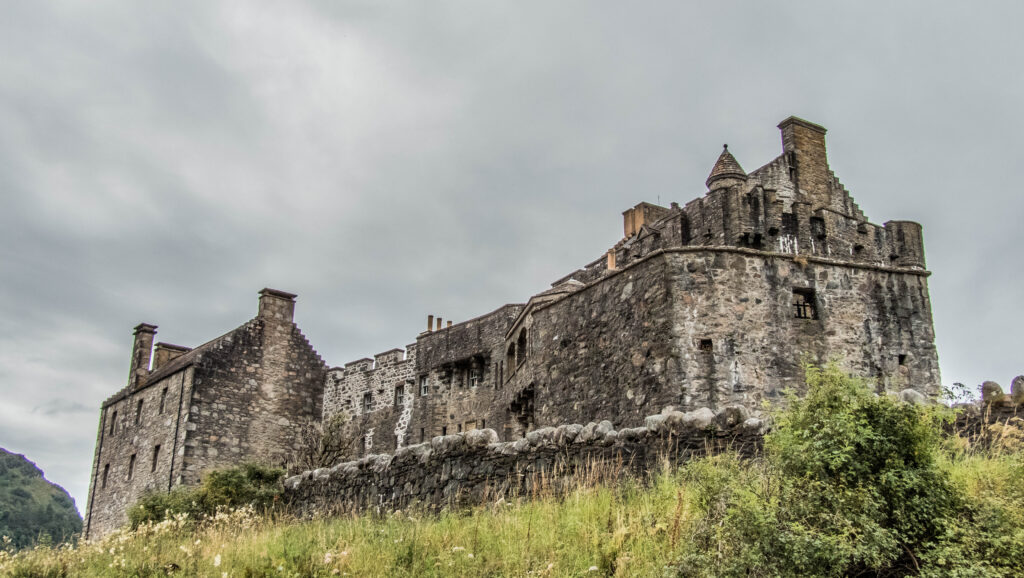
<point x="708" y="305"/>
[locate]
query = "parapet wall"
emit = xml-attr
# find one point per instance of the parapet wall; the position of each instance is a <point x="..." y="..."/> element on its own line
<point x="471" y="467"/>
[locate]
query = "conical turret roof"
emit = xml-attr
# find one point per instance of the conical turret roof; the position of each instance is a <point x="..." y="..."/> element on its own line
<point x="725" y="168"/>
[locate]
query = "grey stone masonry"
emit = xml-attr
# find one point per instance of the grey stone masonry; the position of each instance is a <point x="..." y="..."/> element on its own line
<point x="471" y="467"/>
<point x="712" y="304"/>
<point x="244" y="396"/>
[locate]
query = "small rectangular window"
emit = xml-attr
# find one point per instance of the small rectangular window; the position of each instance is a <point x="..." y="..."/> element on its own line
<point x="423" y="434"/>
<point x="444" y="430"/>
<point x="367" y="401"/>
<point x="803" y="303"/>
<point x="156" y="457"/>
<point x="113" y="423"/>
<point x="903" y="359"/>
<point x="138" y="413"/>
<point x="131" y="466"/>
<point x="424" y="385"/>
<point x="705" y="346"/>
<point x="106" y="472"/>
<point x="460" y="428"/>
<point x="163" y="400"/>
<point x="399" y="395"/>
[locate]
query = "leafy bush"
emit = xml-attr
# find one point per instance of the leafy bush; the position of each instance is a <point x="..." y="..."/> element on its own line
<point x="851" y="484"/>
<point x="244" y="485"/>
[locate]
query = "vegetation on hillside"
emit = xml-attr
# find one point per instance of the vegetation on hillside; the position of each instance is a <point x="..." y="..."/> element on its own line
<point x="33" y="510"/>
<point x="850" y="484"/>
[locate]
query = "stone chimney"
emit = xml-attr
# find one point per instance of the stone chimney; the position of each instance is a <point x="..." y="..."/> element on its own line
<point x="142" y="351"/>
<point x="277" y="305"/>
<point x="803" y="143"/>
<point x="164" y="353"/>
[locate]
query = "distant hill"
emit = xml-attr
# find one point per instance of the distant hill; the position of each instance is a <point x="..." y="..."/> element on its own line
<point x="32" y="508"/>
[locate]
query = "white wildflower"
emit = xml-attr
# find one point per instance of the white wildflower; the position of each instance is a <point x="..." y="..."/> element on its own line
<point x="328" y="557"/>
<point x="216" y="560"/>
<point x="592" y="569"/>
<point x="458" y="549"/>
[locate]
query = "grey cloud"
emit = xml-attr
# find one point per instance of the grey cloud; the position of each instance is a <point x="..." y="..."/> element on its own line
<point x="162" y="163"/>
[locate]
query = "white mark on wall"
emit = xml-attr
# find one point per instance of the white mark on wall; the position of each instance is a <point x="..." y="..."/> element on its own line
<point x="788" y="244"/>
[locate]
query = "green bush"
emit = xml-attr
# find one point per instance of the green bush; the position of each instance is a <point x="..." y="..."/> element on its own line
<point x="850" y="484"/>
<point x="244" y="485"/>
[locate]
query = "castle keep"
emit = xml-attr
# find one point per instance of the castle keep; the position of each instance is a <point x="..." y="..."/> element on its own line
<point x="712" y="304"/>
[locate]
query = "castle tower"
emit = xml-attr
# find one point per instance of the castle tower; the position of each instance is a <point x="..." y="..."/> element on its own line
<point x="142" y="352"/>
<point x="727" y="171"/>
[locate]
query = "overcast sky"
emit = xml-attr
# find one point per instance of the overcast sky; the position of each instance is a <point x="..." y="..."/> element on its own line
<point x="163" y="162"/>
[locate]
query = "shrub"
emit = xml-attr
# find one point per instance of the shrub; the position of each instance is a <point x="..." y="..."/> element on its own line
<point x="244" y="485"/>
<point x="851" y="484"/>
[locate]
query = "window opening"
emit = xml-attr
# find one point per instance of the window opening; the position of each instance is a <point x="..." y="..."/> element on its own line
<point x="903" y="359"/>
<point x="818" y="227"/>
<point x="113" y="423"/>
<point x="163" y="399"/>
<point x="444" y="430"/>
<point x="789" y="224"/>
<point x="705" y="346"/>
<point x="106" y="472"/>
<point x="367" y="401"/>
<point x="399" y="395"/>
<point x="131" y="466"/>
<point x="138" y="413"/>
<point x="803" y="304"/>
<point x="423" y="434"/>
<point x="521" y="348"/>
<point x="156" y="456"/>
<point x="424" y="385"/>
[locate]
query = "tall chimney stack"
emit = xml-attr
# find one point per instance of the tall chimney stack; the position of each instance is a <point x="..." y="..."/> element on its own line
<point x="277" y="305"/>
<point x="142" y="352"/>
<point x="804" y="144"/>
<point x="439" y="323"/>
<point x="430" y="322"/>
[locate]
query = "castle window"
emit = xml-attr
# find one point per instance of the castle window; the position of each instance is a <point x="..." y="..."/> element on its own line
<point x="818" y="227"/>
<point x="476" y="375"/>
<point x="131" y="466"/>
<point x="423" y="434"/>
<point x="444" y="430"/>
<point x="106" y="472"/>
<point x="424" y="385"/>
<point x="138" y="413"/>
<point x="789" y="224"/>
<point x="399" y="395"/>
<point x="903" y="359"/>
<point x="460" y="428"/>
<point x="156" y="457"/>
<point x="367" y="401"/>
<point x="705" y="346"/>
<point x="113" y="423"/>
<point x="483" y="424"/>
<point x="803" y="303"/>
<point x="510" y="359"/>
<point x="163" y="399"/>
<point x="521" y="348"/>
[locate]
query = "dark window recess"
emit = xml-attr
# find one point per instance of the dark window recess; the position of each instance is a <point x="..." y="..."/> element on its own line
<point x="705" y="346"/>
<point x="163" y="399"/>
<point x="399" y="395"/>
<point x="106" y="472"/>
<point x="156" y="457"/>
<point x="131" y="466"/>
<point x="444" y="430"/>
<point x="138" y="413"/>
<point x="367" y="401"/>
<point x="789" y="224"/>
<point x="423" y="434"/>
<point x="483" y="424"/>
<point x="803" y="304"/>
<point x="903" y="359"/>
<point x="858" y="249"/>
<point x="113" y="423"/>
<point x="460" y="428"/>
<point x="818" y="227"/>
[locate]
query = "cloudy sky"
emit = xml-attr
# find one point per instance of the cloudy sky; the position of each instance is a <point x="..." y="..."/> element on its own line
<point x="163" y="162"/>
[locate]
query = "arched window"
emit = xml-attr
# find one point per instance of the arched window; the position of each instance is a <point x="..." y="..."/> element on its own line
<point x="510" y="358"/>
<point x="521" y="348"/>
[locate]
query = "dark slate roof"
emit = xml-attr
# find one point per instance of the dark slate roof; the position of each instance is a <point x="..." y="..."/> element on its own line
<point x="726" y="167"/>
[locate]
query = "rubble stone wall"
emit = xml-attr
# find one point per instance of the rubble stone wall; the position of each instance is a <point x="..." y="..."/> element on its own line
<point x="474" y="466"/>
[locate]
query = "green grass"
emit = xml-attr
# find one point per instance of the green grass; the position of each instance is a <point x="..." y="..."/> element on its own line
<point x="630" y="530"/>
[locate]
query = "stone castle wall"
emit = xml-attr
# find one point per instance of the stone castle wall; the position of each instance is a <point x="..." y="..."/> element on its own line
<point x="470" y="467"/>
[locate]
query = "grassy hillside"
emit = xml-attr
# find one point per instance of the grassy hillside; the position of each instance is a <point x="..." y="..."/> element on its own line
<point x="850" y="484"/>
<point x="31" y="508"/>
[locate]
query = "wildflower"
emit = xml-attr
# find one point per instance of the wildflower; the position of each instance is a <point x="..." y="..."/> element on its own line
<point x="458" y="549"/>
<point x="216" y="560"/>
<point x="470" y="555"/>
<point x="592" y="569"/>
<point x="328" y="557"/>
